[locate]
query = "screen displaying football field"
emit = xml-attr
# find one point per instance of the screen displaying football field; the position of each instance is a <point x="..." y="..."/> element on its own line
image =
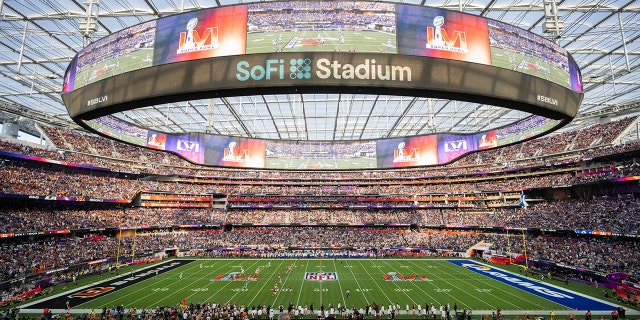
<point x="320" y="164"/>
<point x="114" y="65"/>
<point x="322" y="40"/>
<point x="519" y="62"/>
<point x="395" y="283"/>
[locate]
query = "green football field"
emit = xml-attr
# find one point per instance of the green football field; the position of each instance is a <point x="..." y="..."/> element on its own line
<point x="321" y="40"/>
<point x="350" y="282"/>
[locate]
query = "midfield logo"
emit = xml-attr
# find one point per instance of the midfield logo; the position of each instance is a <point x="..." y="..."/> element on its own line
<point x="321" y="276"/>
<point x="236" y="276"/>
<point x="394" y="276"/>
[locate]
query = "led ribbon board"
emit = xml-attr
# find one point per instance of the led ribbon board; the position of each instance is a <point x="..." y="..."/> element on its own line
<point x="325" y="47"/>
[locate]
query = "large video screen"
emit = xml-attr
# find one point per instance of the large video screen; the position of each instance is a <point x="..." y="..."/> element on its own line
<point x="115" y="128"/>
<point x="359" y="26"/>
<point x="439" y="33"/>
<point x="320" y="155"/>
<point x="323" y="26"/>
<point x="519" y="50"/>
<point x="407" y="152"/>
<point x="201" y="34"/>
<point x="189" y="145"/>
<point x="453" y="146"/>
<point x="234" y="152"/>
<point x="226" y="151"/>
<point x="524" y="129"/>
<point x="126" y="50"/>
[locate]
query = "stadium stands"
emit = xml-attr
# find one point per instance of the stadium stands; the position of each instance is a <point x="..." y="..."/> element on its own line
<point x="71" y="203"/>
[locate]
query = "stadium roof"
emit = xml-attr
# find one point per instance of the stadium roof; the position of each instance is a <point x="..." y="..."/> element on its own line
<point x="38" y="38"/>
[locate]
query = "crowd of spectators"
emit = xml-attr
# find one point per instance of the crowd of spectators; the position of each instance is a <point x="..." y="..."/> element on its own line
<point x="604" y="253"/>
<point x="49" y="218"/>
<point x="612" y="215"/>
<point x="71" y="182"/>
<point x="110" y="154"/>
<point x="42" y="179"/>
<point x="606" y="215"/>
<point x="322" y="198"/>
<point x="322" y="216"/>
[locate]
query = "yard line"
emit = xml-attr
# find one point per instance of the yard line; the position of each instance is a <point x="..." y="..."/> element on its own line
<point x="339" y="284"/>
<point x="235" y="294"/>
<point x="306" y="266"/>
<point x="268" y="281"/>
<point x="358" y="282"/>
<point x="137" y="293"/>
<point x="397" y="286"/>
<point x="175" y="282"/>
<point x="283" y="283"/>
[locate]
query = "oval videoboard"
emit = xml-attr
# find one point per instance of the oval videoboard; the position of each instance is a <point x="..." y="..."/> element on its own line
<point x="323" y="47"/>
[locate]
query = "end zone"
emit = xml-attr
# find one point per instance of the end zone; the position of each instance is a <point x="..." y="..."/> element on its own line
<point x="567" y="298"/>
<point x="77" y="296"/>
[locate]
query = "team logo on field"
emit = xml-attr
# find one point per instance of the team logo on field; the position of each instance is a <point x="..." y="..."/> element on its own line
<point x="321" y="276"/>
<point x="394" y="276"/>
<point x="475" y="266"/>
<point x="91" y="293"/>
<point x="236" y="276"/>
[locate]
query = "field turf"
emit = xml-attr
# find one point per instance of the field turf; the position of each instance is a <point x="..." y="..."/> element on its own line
<point x="417" y="281"/>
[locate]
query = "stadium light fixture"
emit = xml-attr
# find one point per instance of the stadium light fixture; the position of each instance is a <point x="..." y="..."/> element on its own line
<point x="552" y="23"/>
<point x="89" y="25"/>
